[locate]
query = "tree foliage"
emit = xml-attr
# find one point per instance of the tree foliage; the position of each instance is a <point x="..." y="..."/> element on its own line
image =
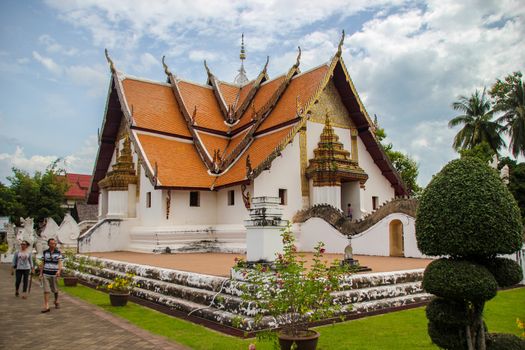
<point x="509" y="98"/>
<point x="39" y="196"/>
<point x="477" y="123"/>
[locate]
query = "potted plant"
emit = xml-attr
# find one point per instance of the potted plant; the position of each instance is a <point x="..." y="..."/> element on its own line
<point x="120" y="288"/>
<point x="292" y="293"/>
<point x="73" y="263"/>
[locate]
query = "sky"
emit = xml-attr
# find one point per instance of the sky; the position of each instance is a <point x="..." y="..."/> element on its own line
<point x="409" y="60"/>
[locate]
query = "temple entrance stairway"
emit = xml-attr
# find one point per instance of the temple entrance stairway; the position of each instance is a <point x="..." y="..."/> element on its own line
<point x="217" y="299"/>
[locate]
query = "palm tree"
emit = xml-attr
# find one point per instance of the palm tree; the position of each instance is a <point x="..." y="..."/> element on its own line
<point x="513" y="106"/>
<point x="477" y="123"/>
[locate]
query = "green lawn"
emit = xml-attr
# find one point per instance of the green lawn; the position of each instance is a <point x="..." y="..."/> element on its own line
<point x="396" y="330"/>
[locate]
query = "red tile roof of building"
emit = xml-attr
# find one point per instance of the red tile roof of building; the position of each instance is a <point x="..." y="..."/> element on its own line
<point x="78" y="185"/>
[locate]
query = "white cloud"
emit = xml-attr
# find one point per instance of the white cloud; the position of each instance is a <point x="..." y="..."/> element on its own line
<point x="48" y="63"/>
<point x="81" y="161"/>
<point x="94" y="78"/>
<point x="23" y="60"/>
<point x="201" y="55"/>
<point x="52" y="46"/>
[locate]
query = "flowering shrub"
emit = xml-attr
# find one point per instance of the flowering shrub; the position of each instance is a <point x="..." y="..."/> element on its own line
<point x="121" y="285"/>
<point x="289" y="291"/>
<point x="521" y="325"/>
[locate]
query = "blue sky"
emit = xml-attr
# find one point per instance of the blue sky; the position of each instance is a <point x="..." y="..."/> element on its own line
<point x="408" y="59"/>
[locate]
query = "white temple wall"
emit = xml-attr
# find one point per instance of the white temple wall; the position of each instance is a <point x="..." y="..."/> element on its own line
<point x="232" y="214"/>
<point x="152" y="215"/>
<point x="316" y="230"/>
<point x="285" y="173"/>
<point x="182" y="214"/>
<point x="376" y="240"/>
<point x="351" y="193"/>
<point x="377" y="185"/>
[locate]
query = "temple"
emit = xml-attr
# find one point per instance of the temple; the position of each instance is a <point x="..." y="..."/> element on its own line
<point x="179" y="162"/>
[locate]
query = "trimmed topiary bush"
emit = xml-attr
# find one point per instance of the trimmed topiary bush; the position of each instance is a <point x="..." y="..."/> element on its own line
<point x="449" y="312"/>
<point x="467" y="214"/>
<point x="459" y="280"/>
<point x="502" y="341"/>
<point x="507" y="272"/>
<point x="467" y="211"/>
<point x="447" y="336"/>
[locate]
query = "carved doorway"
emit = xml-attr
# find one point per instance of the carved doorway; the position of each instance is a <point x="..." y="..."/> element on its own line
<point x="396" y="238"/>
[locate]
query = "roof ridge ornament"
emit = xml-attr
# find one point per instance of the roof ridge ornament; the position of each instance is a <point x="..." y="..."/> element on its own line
<point x="166" y="69"/>
<point x="110" y="61"/>
<point x="241" y="78"/>
<point x="208" y="71"/>
<point x="298" y="59"/>
<point x="340" y="46"/>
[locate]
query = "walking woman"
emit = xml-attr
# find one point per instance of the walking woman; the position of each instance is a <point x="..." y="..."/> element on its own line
<point x="22" y="264"/>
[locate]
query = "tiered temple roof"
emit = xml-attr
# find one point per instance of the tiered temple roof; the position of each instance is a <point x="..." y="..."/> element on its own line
<point x="192" y="136"/>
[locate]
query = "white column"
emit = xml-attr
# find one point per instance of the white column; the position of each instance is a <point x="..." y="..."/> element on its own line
<point x="327" y="195"/>
<point x="117" y="204"/>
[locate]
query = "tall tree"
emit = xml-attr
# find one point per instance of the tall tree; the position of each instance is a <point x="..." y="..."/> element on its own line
<point x="477" y="122"/>
<point x="509" y="98"/>
<point x="39" y="196"/>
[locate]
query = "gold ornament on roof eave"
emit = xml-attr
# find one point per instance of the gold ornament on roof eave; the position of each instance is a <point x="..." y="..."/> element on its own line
<point x="123" y="171"/>
<point x="332" y="164"/>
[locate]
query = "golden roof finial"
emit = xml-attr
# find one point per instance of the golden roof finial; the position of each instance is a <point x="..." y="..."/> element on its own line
<point x="166" y="69"/>
<point x="207" y="68"/>
<point x="340" y="46"/>
<point x="110" y="61"/>
<point x="242" y="56"/>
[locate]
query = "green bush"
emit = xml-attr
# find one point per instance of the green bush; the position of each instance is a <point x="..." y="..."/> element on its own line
<point x="447" y="311"/>
<point x="507" y="272"/>
<point x="502" y="341"/>
<point x="466" y="211"/>
<point x="447" y="336"/>
<point x="459" y="280"/>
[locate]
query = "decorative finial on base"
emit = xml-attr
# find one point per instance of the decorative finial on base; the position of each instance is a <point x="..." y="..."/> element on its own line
<point x="241" y="78"/>
<point x="166" y="69"/>
<point x="110" y="61"/>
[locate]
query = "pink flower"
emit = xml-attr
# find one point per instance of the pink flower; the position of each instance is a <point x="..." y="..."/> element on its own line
<point x="322" y="250"/>
<point x="236" y="259"/>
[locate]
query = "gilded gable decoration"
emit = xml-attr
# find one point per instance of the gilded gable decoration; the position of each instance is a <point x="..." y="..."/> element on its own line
<point x="332" y="164"/>
<point x="123" y="171"/>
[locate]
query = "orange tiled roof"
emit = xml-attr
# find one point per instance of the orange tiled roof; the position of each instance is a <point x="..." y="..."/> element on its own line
<point x="229" y="93"/>
<point x="264" y="93"/>
<point x="303" y="86"/>
<point x="209" y="114"/>
<point x="178" y="163"/>
<point x="213" y="142"/>
<point x="154" y="107"/>
<point x="234" y="141"/>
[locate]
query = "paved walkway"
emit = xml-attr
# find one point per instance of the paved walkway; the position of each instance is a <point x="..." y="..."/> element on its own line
<point x="76" y="325"/>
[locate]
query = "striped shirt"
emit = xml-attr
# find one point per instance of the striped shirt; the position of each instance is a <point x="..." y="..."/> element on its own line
<point x="50" y="260"/>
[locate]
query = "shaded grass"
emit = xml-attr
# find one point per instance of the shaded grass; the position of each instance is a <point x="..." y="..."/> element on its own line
<point x="397" y="330"/>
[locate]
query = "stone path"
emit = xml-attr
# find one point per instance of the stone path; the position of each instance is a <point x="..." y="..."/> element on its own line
<point x="76" y="325"/>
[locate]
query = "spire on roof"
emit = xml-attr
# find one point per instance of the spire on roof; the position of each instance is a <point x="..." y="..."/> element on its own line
<point x="241" y="78"/>
<point x="110" y="61"/>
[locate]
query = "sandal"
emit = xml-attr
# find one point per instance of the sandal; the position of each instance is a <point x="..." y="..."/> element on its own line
<point x="46" y="310"/>
<point x="57" y="305"/>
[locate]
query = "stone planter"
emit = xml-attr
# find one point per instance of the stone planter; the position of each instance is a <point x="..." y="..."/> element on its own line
<point x="118" y="299"/>
<point x="306" y="340"/>
<point x="70" y="281"/>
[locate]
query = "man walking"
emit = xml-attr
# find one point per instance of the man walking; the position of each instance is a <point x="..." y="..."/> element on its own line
<point x="50" y="271"/>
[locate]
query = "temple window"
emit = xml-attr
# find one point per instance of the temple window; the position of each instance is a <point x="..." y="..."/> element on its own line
<point x="231" y="197"/>
<point x="148" y="199"/>
<point x="283" y="196"/>
<point x="195" y="199"/>
<point x="375" y="202"/>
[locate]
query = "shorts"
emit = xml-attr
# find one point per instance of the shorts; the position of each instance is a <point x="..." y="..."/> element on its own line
<point x="50" y="284"/>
